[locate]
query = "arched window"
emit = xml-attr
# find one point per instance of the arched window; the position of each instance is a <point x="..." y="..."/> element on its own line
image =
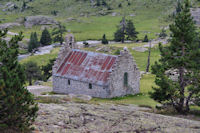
<point x="125" y="79"/>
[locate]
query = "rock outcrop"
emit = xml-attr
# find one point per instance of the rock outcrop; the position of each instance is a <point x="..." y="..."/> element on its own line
<point x="8" y="25"/>
<point x="107" y="118"/>
<point x="38" y="20"/>
<point x="196" y="15"/>
<point x="10" y="6"/>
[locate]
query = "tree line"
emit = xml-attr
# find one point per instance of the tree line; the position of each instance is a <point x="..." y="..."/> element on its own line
<point x="46" y="37"/>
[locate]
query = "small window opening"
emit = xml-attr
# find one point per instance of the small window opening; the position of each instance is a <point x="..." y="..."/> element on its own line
<point x="69" y="82"/>
<point x="126" y="79"/>
<point x="90" y="86"/>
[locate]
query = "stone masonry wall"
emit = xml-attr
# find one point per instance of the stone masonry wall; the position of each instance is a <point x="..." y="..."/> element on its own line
<point x="124" y="64"/>
<point x="60" y="85"/>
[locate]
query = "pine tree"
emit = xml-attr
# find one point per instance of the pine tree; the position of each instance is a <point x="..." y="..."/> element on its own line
<point x="145" y="38"/>
<point x="47" y="69"/>
<point x="163" y="34"/>
<point x="178" y="6"/>
<point x="33" y="43"/>
<point x="126" y="30"/>
<point x="98" y="3"/>
<point x="104" y="40"/>
<point x="131" y="31"/>
<point x="120" y="33"/>
<point x="17" y="107"/>
<point x="58" y="33"/>
<point x="45" y="38"/>
<point x="182" y="57"/>
<point x="32" y="71"/>
<point x="104" y="3"/>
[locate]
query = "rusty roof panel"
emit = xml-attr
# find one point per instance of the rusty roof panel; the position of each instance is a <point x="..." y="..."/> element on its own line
<point x="87" y="66"/>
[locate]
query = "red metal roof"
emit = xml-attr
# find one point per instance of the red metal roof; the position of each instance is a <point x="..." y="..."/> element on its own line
<point x="87" y="66"/>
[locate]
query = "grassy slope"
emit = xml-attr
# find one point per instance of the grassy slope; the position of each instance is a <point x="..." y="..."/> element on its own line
<point x="149" y="16"/>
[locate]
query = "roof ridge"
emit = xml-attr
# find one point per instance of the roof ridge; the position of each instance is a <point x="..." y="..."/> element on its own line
<point x="94" y="52"/>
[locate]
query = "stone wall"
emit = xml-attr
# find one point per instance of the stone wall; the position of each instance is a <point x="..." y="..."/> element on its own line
<point x="60" y="85"/>
<point x="125" y="64"/>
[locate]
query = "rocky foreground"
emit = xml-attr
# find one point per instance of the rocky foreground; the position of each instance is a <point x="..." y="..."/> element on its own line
<point x="107" y="118"/>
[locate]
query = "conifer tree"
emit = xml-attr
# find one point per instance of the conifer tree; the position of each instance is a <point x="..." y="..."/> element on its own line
<point x="58" y="33"/>
<point x="145" y="38"/>
<point x="33" y="43"/>
<point x="182" y="58"/>
<point x="131" y="31"/>
<point x="98" y="3"/>
<point x="126" y="30"/>
<point x="17" y="107"/>
<point x="47" y="69"/>
<point x="104" y="40"/>
<point x="32" y="71"/>
<point x="45" y="38"/>
<point x="178" y="6"/>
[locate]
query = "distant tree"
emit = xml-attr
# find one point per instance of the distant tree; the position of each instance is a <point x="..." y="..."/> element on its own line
<point x="58" y="33"/>
<point x="163" y="33"/>
<point x="33" y="43"/>
<point x="126" y="30"/>
<point x="17" y="107"/>
<point x="149" y="58"/>
<point x="45" y="38"/>
<point x="98" y="3"/>
<point x="146" y="39"/>
<point x="47" y="70"/>
<point x="182" y="57"/>
<point x="178" y="6"/>
<point x="120" y="33"/>
<point x="104" y="40"/>
<point x="131" y="31"/>
<point x="104" y="3"/>
<point x="24" y="6"/>
<point x="120" y="5"/>
<point x="32" y="71"/>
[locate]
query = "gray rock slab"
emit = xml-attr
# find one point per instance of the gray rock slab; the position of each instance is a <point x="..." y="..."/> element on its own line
<point x="107" y="118"/>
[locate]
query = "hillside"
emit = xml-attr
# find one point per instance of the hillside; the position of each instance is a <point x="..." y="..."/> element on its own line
<point x="87" y="20"/>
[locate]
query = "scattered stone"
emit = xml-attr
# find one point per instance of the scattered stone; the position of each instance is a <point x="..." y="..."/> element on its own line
<point x="10" y="6"/>
<point x="103" y="49"/>
<point x="142" y="73"/>
<point x="8" y="25"/>
<point x="132" y="15"/>
<point x="173" y="74"/>
<point x="12" y="33"/>
<point x="115" y="14"/>
<point x="20" y="20"/>
<point x="70" y="19"/>
<point x="140" y="49"/>
<point x="38" y="82"/>
<point x="22" y="45"/>
<point x="39" y="20"/>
